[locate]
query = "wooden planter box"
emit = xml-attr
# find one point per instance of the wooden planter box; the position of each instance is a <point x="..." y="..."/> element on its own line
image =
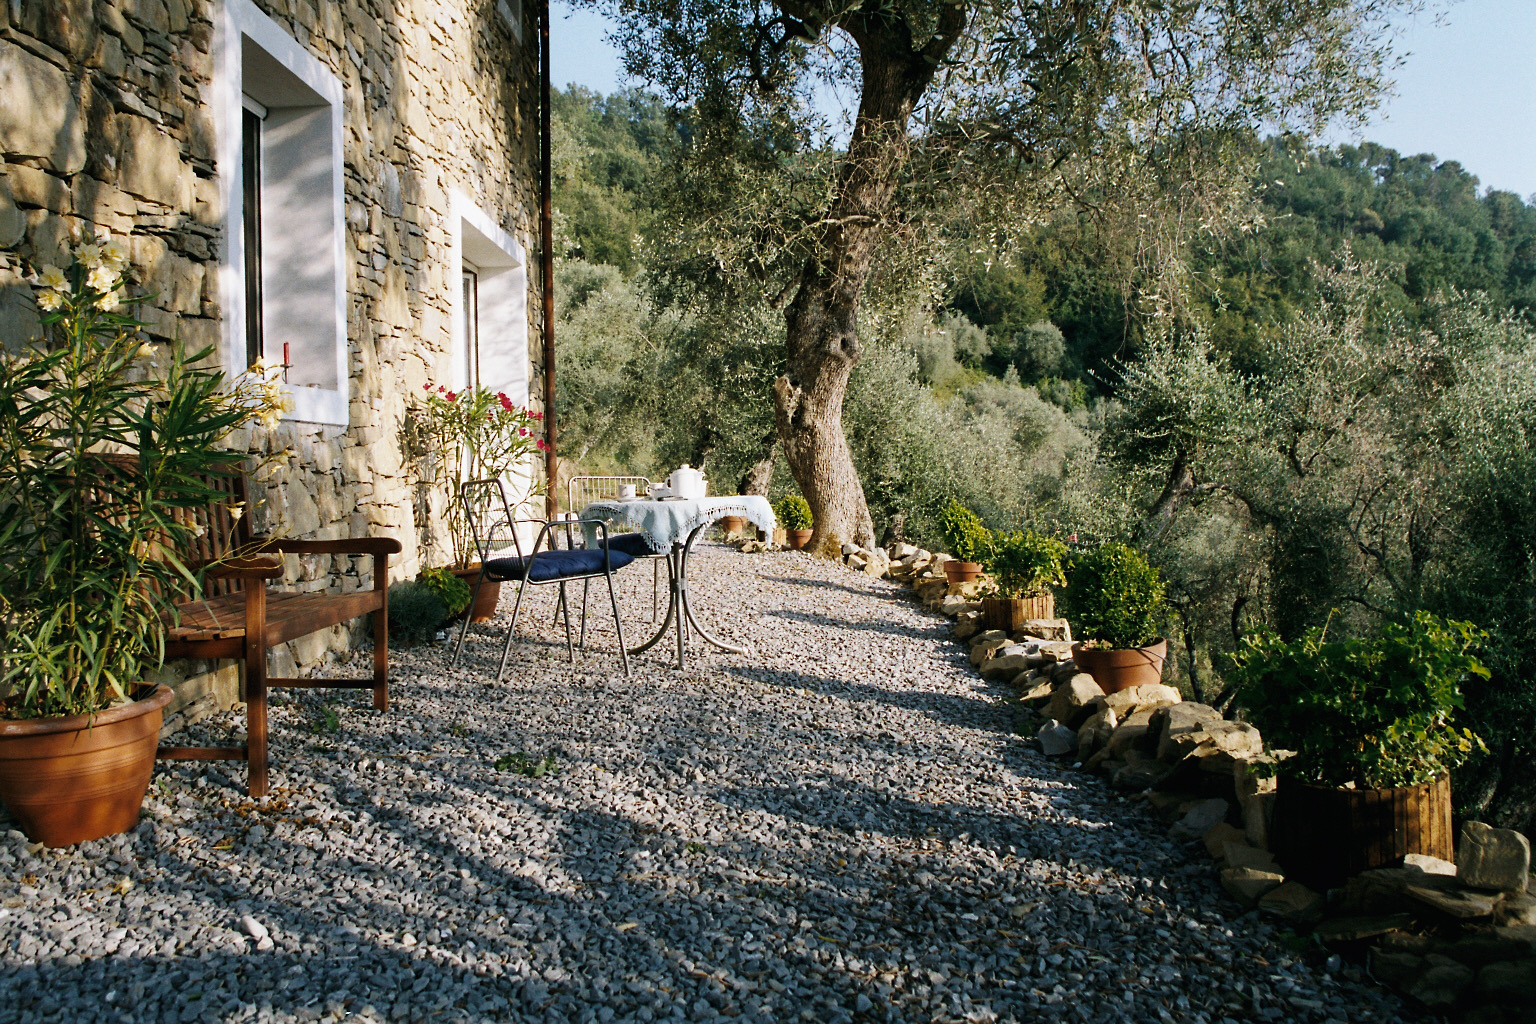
<point x="1324" y="835"/>
<point x="1010" y="613"/>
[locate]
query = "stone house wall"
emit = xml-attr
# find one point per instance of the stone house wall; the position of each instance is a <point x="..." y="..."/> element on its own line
<point x="108" y="122"/>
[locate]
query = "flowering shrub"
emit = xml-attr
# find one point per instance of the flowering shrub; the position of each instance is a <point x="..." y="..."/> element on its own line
<point x="104" y="464"/>
<point x="458" y="436"/>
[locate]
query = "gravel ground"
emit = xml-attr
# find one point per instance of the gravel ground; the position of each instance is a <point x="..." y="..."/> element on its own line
<point x="838" y="826"/>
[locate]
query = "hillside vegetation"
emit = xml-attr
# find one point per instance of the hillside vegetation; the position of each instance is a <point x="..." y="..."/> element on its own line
<point x="1329" y="420"/>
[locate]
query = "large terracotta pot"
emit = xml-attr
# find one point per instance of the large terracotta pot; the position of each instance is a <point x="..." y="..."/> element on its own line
<point x="733" y="524"/>
<point x="1323" y="835"/>
<point x="962" y="572"/>
<point x="1010" y="613"/>
<point x="484" y="609"/>
<point x="67" y="780"/>
<point x="797" y="539"/>
<point x="1118" y="668"/>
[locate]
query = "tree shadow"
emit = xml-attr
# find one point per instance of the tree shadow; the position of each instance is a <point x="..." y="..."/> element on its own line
<point x="935" y="631"/>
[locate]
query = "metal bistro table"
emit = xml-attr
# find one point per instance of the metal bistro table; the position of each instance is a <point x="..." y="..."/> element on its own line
<point x="670" y="526"/>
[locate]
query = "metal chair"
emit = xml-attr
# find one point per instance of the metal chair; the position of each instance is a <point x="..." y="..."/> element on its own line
<point x="581" y="491"/>
<point x="537" y="568"/>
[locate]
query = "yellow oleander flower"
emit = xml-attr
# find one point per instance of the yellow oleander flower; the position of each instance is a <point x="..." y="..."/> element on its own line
<point x="102" y="278"/>
<point x="88" y="255"/>
<point x="146" y="351"/>
<point x="50" y="300"/>
<point x="52" y="277"/>
<point x="114" y="254"/>
<point x="107" y="301"/>
<point x="236" y="510"/>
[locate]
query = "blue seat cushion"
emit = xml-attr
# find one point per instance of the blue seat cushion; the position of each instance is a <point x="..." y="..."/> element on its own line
<point x="632" y="544"/>
<point x="548" y="566"/>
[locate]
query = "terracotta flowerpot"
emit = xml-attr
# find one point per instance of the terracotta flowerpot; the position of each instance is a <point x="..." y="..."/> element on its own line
<point x="1322" y="835"/>
<point x="484" y="609"/>
<point x="962" y="572"/>
<point x="1010" y="613"/>
<point x="1120" y="668"/>
<point x="797" y="539"/>
<point x="733" y="524"/>
<point x="67" y="780"/>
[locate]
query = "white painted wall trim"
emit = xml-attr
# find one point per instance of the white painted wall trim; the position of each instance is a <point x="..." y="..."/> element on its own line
<point x="241" y="22"/>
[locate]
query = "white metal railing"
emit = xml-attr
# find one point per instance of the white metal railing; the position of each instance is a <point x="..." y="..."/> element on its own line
<point x="581" y="491"/>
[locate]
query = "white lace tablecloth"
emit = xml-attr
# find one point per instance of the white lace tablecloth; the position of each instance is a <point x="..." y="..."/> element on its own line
<point x="668" y="522"/>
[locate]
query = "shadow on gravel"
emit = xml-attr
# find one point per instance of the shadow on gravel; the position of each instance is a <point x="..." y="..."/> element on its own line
<point x="970" y="712"/>
<point x="799" y="581"/>
<point x="936" y="631"/>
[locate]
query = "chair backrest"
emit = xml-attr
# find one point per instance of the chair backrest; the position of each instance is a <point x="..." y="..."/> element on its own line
<point x="581" y="491"/>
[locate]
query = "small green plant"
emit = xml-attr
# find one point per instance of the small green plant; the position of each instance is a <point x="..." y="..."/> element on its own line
<point x="794" y="512"/>
<point x="524" y="764"/>
<point x="416" y="613"/>
<point x="1027" y="564"/>
<point x="458" y="729"/>
<point x="1374" y="711"/>
<point x="695" y="848"/>
<point x="1115" y="597"/>
<point x="327" y="722"/>
<point x="453" y="591"/>
<point x="968" y="538"/>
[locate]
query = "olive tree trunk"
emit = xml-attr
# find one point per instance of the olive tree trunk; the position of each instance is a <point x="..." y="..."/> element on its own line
<point x="822" y="318"/>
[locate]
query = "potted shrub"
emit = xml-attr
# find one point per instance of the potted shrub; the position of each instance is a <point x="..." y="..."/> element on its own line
<point x="1367" y="727"/>
<point x="1116" y="603"/>
<point x="103" y="462"/>
<point x="969" y="541"/>
<point x="794" y="513"/>
<point x="1026" y="566"/>
<point x="453" y="437"/>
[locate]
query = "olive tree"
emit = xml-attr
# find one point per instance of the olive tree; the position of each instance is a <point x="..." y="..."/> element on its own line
<point x="957" y="111"/>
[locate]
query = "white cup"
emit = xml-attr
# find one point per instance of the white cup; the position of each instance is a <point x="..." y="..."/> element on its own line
<point x="627" y="492"/>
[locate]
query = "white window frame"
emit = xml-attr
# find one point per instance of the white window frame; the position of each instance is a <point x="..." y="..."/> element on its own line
<point x="241" y="22"/>
<point x="502" y="297"/>
<point x="501" y="268"/>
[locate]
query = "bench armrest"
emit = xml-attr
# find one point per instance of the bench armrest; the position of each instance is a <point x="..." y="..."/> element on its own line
<point x="246" y="567"/>
<point x="346" y="546"/>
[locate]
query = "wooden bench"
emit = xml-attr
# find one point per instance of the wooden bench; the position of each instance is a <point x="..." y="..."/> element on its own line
<point x="239" y="617"/>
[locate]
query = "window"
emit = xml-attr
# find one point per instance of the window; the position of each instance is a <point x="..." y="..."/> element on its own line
<point x="280" y="162"/>
<point x="490" y="316"/>
<point x="469" y="340"/>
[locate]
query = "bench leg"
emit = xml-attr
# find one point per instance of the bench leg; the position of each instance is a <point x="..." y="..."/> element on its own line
<point x="381" y="659"/>
<point x="256" y="721"/>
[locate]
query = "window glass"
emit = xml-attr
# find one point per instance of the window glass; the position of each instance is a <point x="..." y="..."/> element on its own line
<point x="470" y="342"/>
<point x="250" y="179"/>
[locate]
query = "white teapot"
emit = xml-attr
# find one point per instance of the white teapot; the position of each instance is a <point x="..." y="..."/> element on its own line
<point x="686" y="482"/>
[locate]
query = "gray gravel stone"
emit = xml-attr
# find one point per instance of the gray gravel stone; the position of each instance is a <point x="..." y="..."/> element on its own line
<point x="841" y="825"/>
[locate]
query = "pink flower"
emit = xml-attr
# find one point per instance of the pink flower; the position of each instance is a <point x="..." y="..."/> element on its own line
<point x="1072" y="539"/>
<point x="542" y="445"/>
<point x="522" y="431"/>
<point x="427" y="386"/>
<point x="506" y="403"/>
<point x="441" y="387"/>
<point x="452" y="396"/>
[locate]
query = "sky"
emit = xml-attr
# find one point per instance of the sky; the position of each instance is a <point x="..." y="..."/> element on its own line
<point x="1466" y="90"/>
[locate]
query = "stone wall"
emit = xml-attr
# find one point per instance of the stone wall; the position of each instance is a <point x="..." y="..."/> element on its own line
<point x="107" y="125"/>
